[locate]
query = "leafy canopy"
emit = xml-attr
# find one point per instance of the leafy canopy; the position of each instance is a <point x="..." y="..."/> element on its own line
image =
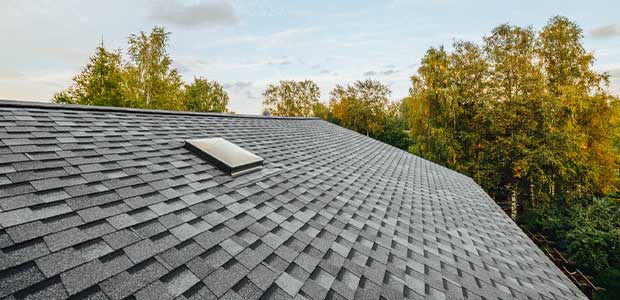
<point x="205" y="95"/>
<point x="146" y="79"/>
<point x="152" y="81"/>
<point x="292" y="98"/>
<point x="361" y="106"/>
<point x="100" y="83"/>
<point x="524" y="114"/>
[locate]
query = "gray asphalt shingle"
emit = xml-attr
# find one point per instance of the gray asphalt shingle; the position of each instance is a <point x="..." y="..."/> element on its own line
<point x="105" y="203"/>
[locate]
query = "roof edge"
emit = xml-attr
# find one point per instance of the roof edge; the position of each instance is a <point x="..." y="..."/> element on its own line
<point x="56" y="106"/>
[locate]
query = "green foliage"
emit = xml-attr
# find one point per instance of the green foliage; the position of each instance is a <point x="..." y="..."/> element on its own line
<point x="100" y="82"/>
<point x="594" y="238"/>
<point x="152" y="82"/>
<point x="206" y="96"/>
<point x="292" y="98"/>
<point x="524" y="114"/>
<point x="395" y="130"/>
<point x="65" y="96"/>
<point x="589" y="232"/>
<point x="551" y="220"/>
<point x="586" y="107"/>
<point x="322" y="111"/>
<point x="565" y="61"/>
<point x="447" y="107"/>
<point x="361" y="106"/>
<point x="146" y="80"/>
<point x="610" y="279"/>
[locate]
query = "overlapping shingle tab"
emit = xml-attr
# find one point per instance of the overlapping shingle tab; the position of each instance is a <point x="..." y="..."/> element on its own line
<point x="102" y="203"/>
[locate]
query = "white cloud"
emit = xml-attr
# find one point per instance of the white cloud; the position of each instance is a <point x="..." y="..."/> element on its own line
<point x="245" y="101"/>
<point x="280" y="62"/>
<point x="206" y="13"/>
<point x="390" y="72"/>
<point x="386" y="72"/>
<point x="614" y="78"/>
<point x="276" y="39"/>
<point x="606" y="31"/>
<point x="6" y="74"/>
<point x="33" y="86"/>
<point x="237" y="85"/>
<point x="250" y="96"/>
<point x="614" y="73"/>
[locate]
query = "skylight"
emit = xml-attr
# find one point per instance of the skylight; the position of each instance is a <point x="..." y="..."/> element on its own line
<point x="226" y="155"/>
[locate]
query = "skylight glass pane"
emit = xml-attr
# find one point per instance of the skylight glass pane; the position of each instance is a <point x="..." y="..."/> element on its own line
<point x="226" y="155"/>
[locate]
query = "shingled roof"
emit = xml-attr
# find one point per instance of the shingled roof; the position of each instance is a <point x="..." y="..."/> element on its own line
<point x="103" y="203"/>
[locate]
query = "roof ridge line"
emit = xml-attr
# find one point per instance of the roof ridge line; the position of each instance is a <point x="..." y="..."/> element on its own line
<point x="56" y="106"/>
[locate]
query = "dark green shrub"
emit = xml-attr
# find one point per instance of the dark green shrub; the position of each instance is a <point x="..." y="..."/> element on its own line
<point x="610" y="280"/>
<point x="553" y="222"/>
<point x="586" y="246"/>
<point x="593" y="240"/>
<point x="590" y="233"/>
<point x="394" y="133"/>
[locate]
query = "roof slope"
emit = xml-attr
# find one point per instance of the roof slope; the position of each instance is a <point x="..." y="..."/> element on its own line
<point x="108" y="204"/>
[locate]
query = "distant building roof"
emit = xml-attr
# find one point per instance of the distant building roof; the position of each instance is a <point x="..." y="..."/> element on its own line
<point x="104" y="203"/>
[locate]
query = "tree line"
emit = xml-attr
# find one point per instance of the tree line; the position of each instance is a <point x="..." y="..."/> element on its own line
<point x="524" y="113"/>
<point x="144" y="78"/>
<point x="363" y="106"/>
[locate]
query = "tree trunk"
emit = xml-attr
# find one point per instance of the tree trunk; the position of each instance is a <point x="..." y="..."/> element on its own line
<point x="532" y="198"/>
<point x="513" y="203"/>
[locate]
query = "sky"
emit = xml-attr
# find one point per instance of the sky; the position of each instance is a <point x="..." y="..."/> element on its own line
<point x="246" y="45"/>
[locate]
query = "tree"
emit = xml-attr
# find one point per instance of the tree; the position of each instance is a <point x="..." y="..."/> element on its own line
<point x="206" y="96"/>
<point x="589" y="110"/>
<point x="322" y="111"/>
<point x="395" y="130"/>
<point x="567" y="65"/>
<point x="292" y="98"/>
<point x="448" y="109"/>
<point x="100" y="82"/>
<point x="152" y="81"/>
<point x="146" y="80"/>
<point x="517" y="87"/>
<point x="594" y="235"/>
<point x="523" y="114"/>
<point x="361" y="106"/>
